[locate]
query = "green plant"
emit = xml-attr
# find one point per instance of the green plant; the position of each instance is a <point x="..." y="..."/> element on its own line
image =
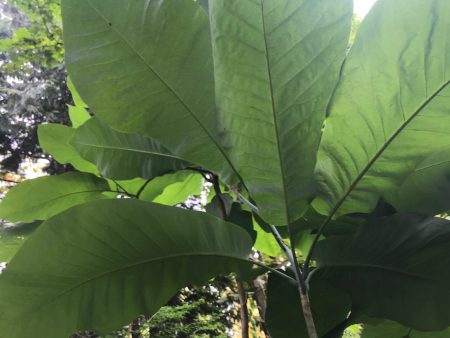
<point x="342" y="159"/>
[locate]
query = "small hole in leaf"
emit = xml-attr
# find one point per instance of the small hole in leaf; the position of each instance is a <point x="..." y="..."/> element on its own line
<point x="109" y="24"/>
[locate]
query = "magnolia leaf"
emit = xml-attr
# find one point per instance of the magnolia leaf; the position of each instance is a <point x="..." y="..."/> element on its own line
<point x="55" y="138"/>
<point x="117" y="56"/>
<point x="99" y="265"/>
<point x="78" y="115"/>
<point x="390" y="109"/>
<point x="394" y="268"/>
<point x="44" y="197"/>
<point x="276" y="64"/>
<point x="174" y="188"/>
<point x="123" y="156"/>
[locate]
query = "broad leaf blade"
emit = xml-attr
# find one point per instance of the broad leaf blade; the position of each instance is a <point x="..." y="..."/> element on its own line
<point x="99" y="265"/>
<point x="55" y="138"/>
<point x="390" y="110"/>
<point x="276" y="65"/>
<point x="44" y="197"/>
<point x="395" y="268"/>
<point x="146" y="67"/>
<point x="123" y="156"/>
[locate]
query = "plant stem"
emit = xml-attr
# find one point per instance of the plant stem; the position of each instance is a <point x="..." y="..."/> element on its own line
<point x="307" y="314"/>
<point x="141" y="189"/>
<point x="303" y="292"/>
<point x="135" y="327"/>
<point x="240" y="287"/>
<point x="8" y="181"/>
<point x="243" y="308"/>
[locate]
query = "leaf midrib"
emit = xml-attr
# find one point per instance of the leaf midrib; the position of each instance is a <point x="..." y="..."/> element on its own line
<point x="138" y="151"/>
<point x="177" y="96"/>
<point x="274" y="115"/>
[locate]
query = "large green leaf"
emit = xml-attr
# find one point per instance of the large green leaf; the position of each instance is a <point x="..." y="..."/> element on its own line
<point x="146" y="67"/>
<point x="395" y="268"/>
<point x="276" y="64"/>
<point x="284" y="317"/>
<point x="55" y="138"/>
<point x="389" y="329"/>
<point x="390" y="110"/>
<point x="123" y="156"/>
<point x="43" y="197"/>
<point x="99" y="265"/>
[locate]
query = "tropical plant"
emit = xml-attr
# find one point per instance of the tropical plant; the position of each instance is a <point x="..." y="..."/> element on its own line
<point x="341" y="158"/>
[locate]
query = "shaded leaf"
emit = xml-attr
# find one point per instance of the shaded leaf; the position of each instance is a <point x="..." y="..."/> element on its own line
<point x="123" y="156"/>
<point x="99" y="265"/>
<point x="394" y="330"/>
<point x="427" y="189"/>
<point x="284" y="317"/>
<point x="12" y="238"/>
<point x="394" y="268"/>
<point x="44" y="197"/>
<point x="55" y="138"/>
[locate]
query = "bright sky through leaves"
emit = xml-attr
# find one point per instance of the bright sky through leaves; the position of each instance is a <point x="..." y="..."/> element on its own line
<point x="361" y="7"/>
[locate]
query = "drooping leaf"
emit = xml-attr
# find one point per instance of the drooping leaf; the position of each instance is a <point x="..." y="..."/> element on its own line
<point x="117" y="56"/>
<point x="265" y="242"/>
<point x="55" y="138"/>
<point x="390" y="109"/>
<point x="276" y="64"/>
<point x="123" y="156"/>
<point x="77" y="100"/>
<point x="99" y="265"/>
<point x="284" y="317"/>
<point x="44" y="197"/>
<point x="394" y="268"/>
<point x="78" y="115"/>
<point x="172" y="189"/>
<point x="427" y="189"/>
<point x="243" y="218"/>
<point x="392" y="329"/>
<point x="219" y="200"/>
<point x="12" y="238"/>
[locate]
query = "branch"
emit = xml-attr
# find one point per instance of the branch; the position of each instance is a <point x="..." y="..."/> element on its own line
<point x="141" y="189"/>
<point x="124" y="191"/>
<point x="244" y="309"/>
<point x="9" y="181"/>
<point x="240" y="286"/>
